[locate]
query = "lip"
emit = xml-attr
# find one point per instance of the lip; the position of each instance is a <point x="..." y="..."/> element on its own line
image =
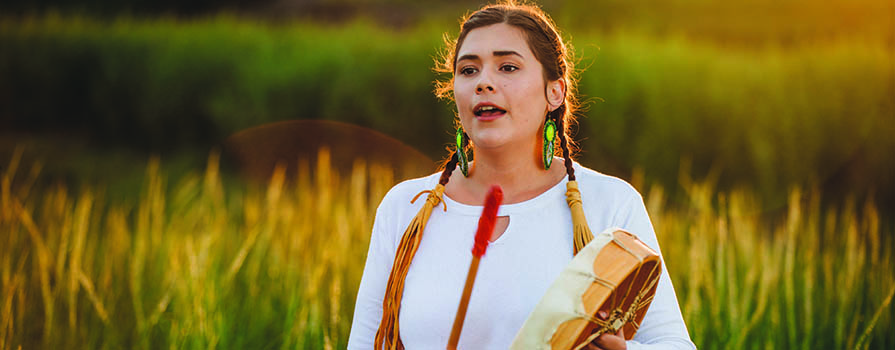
<point x="487" y="118"/>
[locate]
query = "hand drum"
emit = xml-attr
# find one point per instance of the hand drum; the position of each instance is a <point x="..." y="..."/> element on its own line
<point x="615" y="273"/>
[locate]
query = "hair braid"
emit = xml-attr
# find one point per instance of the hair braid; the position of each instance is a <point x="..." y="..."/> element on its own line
<point x="563" y="142"/>
<point x="449" y="168"/>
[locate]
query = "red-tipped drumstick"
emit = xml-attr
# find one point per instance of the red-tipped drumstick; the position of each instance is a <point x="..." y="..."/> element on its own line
<point x="486" y="228"/>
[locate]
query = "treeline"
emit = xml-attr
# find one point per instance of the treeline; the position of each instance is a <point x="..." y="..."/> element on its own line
<point x="764" y="117"/>
<point x="744" y="22"/>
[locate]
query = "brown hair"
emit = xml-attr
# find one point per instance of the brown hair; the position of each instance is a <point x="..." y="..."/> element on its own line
<point x="549" y="49"/>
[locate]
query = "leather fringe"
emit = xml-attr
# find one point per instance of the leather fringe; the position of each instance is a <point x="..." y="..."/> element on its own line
<point x="387" y="337"/>
<point x="580" y="230"/>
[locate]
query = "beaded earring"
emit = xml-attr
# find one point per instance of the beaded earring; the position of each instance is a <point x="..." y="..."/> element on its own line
<point x="549" y="144"/>
<point x="462" y="158"/>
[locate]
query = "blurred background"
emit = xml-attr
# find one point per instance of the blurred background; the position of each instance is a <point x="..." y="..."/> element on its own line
<point x="780" y="113"/>
<point x="762" y="94"/>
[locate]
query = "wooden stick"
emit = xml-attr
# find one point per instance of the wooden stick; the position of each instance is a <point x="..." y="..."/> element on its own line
<point x="464" y="304"/>
<point x="482" y="236"/>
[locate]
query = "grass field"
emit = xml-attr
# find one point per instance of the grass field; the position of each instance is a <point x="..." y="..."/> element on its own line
<point x="766" y="112"/>
<point x="194" y="263"/>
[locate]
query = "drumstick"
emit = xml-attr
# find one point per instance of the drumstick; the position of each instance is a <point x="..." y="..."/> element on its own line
<point x="482" y="234"/>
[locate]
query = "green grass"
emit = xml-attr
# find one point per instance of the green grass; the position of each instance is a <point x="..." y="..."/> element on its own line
<point x="769" y="114"/>
<point x="193" y="263"/>
<point x="813" y="278"/>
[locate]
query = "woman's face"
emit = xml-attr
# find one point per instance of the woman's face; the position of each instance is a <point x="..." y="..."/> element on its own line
<point x="499" y="88"/>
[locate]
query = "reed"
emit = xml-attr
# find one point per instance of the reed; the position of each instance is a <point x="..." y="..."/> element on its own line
<point x="197" y="262"/>
<point x="813" y="278"/>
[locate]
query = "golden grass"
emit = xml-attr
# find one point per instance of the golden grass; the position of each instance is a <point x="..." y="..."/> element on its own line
<point x="203" y="264"/>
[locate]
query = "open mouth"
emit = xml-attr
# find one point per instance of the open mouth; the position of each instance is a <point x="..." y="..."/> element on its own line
<point x="488" y="111"/>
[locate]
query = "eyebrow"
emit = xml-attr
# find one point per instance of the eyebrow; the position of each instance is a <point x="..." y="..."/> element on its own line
<point x="495" y="53"/>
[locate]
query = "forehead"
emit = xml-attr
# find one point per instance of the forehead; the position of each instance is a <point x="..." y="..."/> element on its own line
<point x="496" y="37"/>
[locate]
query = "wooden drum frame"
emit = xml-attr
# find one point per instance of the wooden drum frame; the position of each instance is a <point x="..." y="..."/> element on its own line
<point x="618" y="275"/>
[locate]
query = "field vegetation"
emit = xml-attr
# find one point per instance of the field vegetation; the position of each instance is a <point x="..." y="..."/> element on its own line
<point x="195" y="262"/>
<point x="768" y="113"/>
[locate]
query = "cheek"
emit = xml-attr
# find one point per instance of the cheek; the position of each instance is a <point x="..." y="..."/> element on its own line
<point x="530" y="97"/>
<point x="464" y="101"/>
<point x="461" y="94"/>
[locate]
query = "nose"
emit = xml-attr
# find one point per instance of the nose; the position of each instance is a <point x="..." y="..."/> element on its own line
<point x="482" y="87"/>
<point x="484" y="83"/>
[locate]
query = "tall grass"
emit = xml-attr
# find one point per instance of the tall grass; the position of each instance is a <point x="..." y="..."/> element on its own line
<point x="194" y="267"/>
<point x="813" y="278"/>
<point x="199" y="264"/>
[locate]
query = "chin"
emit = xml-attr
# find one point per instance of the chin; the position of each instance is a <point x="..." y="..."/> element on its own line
<point x="486" y="142"/>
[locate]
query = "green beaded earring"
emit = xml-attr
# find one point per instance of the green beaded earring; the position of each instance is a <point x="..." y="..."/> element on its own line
<point x="549" y="137"/>
<point x="462" y="158"/>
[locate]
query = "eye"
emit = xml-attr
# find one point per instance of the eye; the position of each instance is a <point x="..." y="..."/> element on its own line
<point x="509" y="68"/>
<point x="468" y="70"/>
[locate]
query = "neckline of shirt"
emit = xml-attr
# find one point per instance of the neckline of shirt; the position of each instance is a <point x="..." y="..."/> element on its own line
<point x="507" y="209"/>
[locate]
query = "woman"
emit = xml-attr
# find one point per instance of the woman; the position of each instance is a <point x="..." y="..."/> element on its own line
<point x="512" y="81"/>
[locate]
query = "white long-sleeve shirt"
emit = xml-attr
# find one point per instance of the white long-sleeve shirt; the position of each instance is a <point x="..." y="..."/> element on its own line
<point x="513" y="275"/>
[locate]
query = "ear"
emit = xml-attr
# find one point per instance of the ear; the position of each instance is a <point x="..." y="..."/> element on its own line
<point x="556" y="93"/>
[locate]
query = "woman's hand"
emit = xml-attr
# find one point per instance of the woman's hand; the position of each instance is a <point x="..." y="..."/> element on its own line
<point x="608" y="341"/>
